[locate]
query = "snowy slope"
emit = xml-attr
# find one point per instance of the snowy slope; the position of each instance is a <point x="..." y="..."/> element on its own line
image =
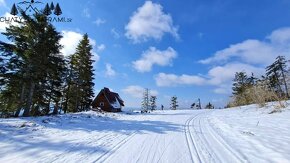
<point x="244" y="134"/>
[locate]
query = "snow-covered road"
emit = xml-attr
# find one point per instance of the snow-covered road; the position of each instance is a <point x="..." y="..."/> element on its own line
<point x="237" y="135"/>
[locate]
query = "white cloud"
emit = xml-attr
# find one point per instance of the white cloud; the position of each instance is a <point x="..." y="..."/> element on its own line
<point x="149" y="21"/>
<point x="137" y="91"/>
<point x="96" y="56"/>
<point x="167" y="80"/>
<point x="220" y="77"/>
<point x="115" y="33"/>
<point x="222" y="90"/>
<point x="70" y="41"/>
<point x="250" y="56"/>
<point x="255" y="51"/>
<point x="154" y="56"/>
<point x="280" y="36"/>
<point x="110" y="72"/>
<point x="99" y="21"/>
<point x="225" y="74"/>
<point x="101" y="47"/>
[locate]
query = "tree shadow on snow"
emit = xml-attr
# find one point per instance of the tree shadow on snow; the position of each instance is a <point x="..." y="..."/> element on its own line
<point x="91" y="123"/>
<point x="28" y="141"/>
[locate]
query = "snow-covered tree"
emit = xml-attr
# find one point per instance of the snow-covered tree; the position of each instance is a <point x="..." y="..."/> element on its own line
<point x="209" y="106"/>
<point x="174" y="103"/>
<point x="145" y="100"/>
<point x="153" y="103"/>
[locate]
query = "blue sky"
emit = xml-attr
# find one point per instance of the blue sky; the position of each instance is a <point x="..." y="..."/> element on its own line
<point x="189" y="48"/>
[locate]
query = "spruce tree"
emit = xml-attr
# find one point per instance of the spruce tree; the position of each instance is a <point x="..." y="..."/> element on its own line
<point x="209" y="106"/>
<point x="80" y="87"/>
<point x="153" y="102"/>
<point x="145" y="101"/>
<point x="174" y="103"/>
<point x="276" y="72"/>
<point x="33" y="63"/>
<point x="240" y="83"/>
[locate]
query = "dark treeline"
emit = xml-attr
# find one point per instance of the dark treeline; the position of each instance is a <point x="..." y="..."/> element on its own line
<point x="273" y="86"/>
<point x="35" y="78"/>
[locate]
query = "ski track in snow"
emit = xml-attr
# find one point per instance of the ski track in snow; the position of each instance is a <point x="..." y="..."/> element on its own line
<point x="199" y="136"/>
<point x="209" y="145"/>
<point x="194" y="154"/>
<point x="108" y="154"/>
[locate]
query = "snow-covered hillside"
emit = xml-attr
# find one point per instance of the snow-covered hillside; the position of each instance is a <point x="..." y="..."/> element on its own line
<point x="245" y="134"/>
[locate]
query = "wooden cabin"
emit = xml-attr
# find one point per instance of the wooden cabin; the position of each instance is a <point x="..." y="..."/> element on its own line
<point x="108" y="101"/>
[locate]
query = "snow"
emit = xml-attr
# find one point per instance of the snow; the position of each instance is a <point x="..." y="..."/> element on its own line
<point x="243" y="134"/>
<point x="116" y="104"/>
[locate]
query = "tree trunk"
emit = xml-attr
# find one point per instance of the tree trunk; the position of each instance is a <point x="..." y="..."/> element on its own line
<point x="20" y="104"/>
<point x="67" y="96"/>
<point x="29" y="101"/>
<point x="55" y="109"/>
<point x="278" y="82"/>
<point x="285" y="83"/>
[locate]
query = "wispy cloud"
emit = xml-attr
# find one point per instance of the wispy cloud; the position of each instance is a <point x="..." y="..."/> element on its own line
<point x="99" y="21"/>
<point x="110" y="72"/>
<point x="101" y="47"/>
<point x="115" y="33"/>
<point x="255" y="51"/>
<point x="250" y="56"/>
<point x="86" y="12"/>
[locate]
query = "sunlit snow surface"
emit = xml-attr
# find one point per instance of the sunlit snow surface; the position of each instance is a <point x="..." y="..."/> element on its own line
<point x="243" y="134"/>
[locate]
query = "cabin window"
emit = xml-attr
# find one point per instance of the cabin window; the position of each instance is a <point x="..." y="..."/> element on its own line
<point x="102" y="104"/>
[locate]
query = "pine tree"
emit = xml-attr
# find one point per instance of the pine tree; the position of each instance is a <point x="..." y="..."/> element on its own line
<point x="240" y="83"/>
<point x="209" y="106"/>
<point x="153" y="105"/>
<point x="145" y="101"/>
<point x="192" y="106"/>
<point x="34" y="63"/>
<point x="276" y="72"/>
<point x="174" y="103"/>
<point x="81" y="77"/>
